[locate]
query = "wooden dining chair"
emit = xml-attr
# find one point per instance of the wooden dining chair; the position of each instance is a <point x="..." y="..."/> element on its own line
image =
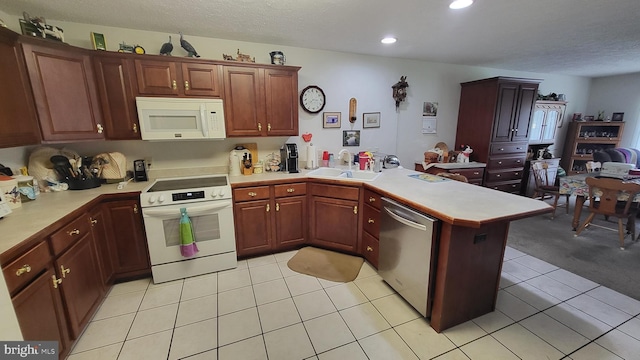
<point x="545" y="185"/>
<point x="604" y="195"/>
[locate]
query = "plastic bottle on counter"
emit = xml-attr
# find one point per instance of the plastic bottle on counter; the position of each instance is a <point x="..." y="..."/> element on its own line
<point x="332" y="161"/>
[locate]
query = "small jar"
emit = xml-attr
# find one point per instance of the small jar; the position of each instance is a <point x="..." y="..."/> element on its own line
<point x="9" y="189"/>
<point x="257" y="168"/>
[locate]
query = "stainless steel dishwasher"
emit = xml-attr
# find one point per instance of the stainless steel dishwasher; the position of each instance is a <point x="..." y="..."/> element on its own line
<point x="406" y="253"/>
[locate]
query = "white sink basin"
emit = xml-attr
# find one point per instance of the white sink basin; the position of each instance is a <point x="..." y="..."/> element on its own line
<point x="360" y="175"/>
<point x="325" y="172"/>
<point x="335" y="173"/>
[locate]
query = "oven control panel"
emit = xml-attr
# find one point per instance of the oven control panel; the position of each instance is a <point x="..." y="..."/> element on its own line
<point x="189" y="195"/>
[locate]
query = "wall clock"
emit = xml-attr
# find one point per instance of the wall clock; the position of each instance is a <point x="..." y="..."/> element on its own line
<point x="312" y="99"/>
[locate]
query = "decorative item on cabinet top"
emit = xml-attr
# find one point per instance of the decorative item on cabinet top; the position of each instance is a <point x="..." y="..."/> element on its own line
<point x="241" y="57"/>
<point x="191" y="51"/>
<point x="167" y="48"/>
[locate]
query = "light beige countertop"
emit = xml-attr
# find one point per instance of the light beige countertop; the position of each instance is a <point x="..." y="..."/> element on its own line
<point x="451" y="201"/>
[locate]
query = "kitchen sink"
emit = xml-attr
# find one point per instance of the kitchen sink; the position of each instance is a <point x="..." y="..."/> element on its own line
<point x="341" y="174"/>
<point x="326" y="172"/>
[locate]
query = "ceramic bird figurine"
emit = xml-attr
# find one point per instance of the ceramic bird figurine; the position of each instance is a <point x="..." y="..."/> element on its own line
<point x="167" y="48"/>
<point x="188" y="47"/>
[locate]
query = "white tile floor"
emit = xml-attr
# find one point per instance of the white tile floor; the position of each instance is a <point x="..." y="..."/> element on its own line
<point x="263" y="310"/>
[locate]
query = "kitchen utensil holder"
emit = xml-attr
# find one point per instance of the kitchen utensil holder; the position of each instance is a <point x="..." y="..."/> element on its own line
<point x="82" y="184"/>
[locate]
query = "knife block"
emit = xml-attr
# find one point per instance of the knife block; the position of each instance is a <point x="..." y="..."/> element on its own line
<point x="247" y="171"/>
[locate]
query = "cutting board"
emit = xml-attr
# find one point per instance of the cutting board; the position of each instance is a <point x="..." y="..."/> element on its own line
<point x="253" y="149"/>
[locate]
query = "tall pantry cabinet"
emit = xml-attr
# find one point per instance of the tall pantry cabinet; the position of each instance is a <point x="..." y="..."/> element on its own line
<point x="493" y="120"/>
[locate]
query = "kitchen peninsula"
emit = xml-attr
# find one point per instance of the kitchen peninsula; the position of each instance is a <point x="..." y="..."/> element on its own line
<point x="469" y="247"/>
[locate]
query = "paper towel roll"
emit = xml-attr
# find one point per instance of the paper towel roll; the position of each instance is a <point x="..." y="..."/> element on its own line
<point x="312" y="159"/>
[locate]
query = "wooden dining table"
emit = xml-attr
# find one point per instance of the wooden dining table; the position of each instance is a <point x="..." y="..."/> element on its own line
<point x="577" y="185"/>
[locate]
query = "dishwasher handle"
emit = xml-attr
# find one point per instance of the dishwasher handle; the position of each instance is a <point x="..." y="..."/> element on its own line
<point x="404" y="220"/>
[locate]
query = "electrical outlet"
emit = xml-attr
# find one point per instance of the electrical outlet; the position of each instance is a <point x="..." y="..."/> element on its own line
<point x="147" y="162"/>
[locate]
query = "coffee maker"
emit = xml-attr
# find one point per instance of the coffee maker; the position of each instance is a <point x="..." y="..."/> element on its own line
<point x="139" y="171"/>
<point x="289" y="158"/>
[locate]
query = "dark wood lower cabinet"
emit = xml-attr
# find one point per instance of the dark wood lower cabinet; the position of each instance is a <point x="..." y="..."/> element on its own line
<point x="291" y="222"/>
<point x="253" y="227"/>
<point x="81" y="284"/>
<point x="130" y="256"/>
<point x="102" y="234"/>
<point x="41" y="314"/>
<point x="333" y="217"/>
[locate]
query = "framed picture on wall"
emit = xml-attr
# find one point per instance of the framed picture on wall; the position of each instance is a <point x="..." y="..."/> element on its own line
<point x="371" y="120"/>
<point x="351" y="138"/>
<point x="617" y="116"/>
<point x="331" y="120"/>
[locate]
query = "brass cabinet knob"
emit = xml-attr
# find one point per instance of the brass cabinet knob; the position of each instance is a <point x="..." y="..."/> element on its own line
<point x="24" y="269"/>
<point x="64" y="271"/>
<point x="290" y="190"/>
<point x="369" y="248"/>
<point x="100" y="128"/>
<point x="186" y="85"/>
<point x="56" y="281"/>
<point x="372" y="199"/>
<point x="135" y="128"/>
<point x="174" y="85"/>
<point x="371" y="221"/>
<point x="259" y="127"/>
<point x="73" y="232"/>
<point x="252" y="194"/>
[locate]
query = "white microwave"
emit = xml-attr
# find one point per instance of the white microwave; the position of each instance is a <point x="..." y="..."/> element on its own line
<point x="180" y="118"/>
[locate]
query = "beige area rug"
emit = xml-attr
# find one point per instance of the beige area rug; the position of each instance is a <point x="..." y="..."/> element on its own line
<point x="325" y="264"/>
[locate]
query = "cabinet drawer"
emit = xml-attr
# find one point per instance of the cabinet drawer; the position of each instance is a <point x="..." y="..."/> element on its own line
<point x="510" y="187"/>
<point x="290" y="189"/>
<point x="371" y="220"/>
<point x="251" y="193"/>
<point x="373" y="199"/>
<point x="495" y="176"/>
<point x="506" y="162"/>
<point x="470" y="174"/>
<point x="335" y="191"/>
<point x="65" y="237"/>
<point x="22" y="270"/>
<point x="508" y="148"/>
<point x="370" y="249"/>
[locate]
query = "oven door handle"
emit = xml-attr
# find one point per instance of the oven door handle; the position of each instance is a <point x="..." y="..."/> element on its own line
<point x="191" y="210"/>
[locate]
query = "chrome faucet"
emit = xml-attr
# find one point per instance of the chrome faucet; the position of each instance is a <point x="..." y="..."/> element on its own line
<point x="349" y="159"/>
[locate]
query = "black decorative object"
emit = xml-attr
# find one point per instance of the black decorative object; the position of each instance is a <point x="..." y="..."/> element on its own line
<point x="400" y="90"/>
<point x="188" y="47"/>
<point x="167" y="48"/>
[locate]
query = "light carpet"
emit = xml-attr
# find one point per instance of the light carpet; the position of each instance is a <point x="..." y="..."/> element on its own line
<point x="594" y="254"/>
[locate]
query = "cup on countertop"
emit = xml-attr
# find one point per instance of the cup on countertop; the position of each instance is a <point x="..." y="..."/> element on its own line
<point x="9" y="189"/>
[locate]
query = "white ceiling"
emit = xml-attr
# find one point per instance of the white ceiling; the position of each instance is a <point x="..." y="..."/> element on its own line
<point x="573" y="37"/>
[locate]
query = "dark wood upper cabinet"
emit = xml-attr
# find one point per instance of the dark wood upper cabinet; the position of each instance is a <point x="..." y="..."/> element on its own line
<point x="18" y="118"/>
<point x="167" y="77"/>
<point x="64" y="91"/>
<point x="261" y="101"/>
<point x="115" y="75"/>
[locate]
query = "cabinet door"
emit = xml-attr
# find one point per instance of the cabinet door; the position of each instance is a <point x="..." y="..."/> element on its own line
<point x="552" y="116"/>
<point x="244" y="104"/>
<point x="101" y="231"/>
<point x="334" y="223"/>
<point x="81" y="283"/>
<point x="281" y="91"/>
<point x="131" y="254"/>
<point x="505" y="109"/>
<point x="16" y="100"/>
<point x="527" y="94"/>
<point x="201" y="80"/>
<point x="253" y="227"/>
<point x="291" y="221"/>
<point x="65" y="93"/>
<point x="537" y="126"/>
<point x="114" y="77"/>
<point x="40" y="313"/>
<point x="157" y="77"/>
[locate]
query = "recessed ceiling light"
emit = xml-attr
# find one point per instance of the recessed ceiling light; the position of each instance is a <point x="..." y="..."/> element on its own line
<point x="388" y="40"/>
<point x="460" y="4"/>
